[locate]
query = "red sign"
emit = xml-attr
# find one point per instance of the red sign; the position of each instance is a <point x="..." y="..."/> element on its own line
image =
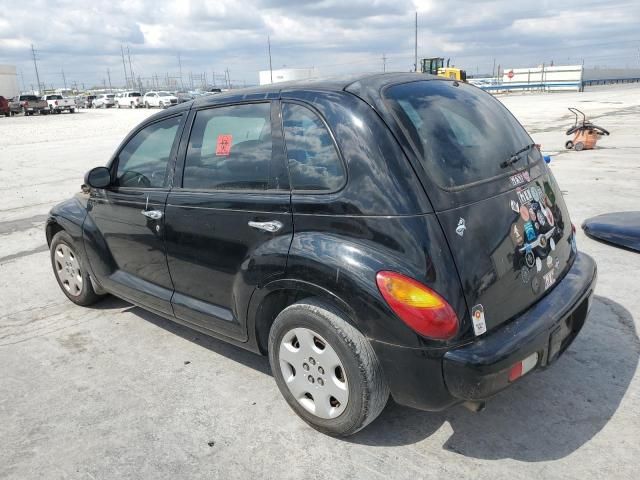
<point x="510" y="74"/>
<point x="223" y="147"/>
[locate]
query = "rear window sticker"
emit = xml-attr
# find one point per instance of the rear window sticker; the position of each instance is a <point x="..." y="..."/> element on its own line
<point x="549" y="262"/>
<point x="524" y="275"/>
<point x="538" y="264"/>
<point x="530" y="259"/>
<point x="514" y="206"/>
<point x="516" y="235"/>
<point x="461" y="227"/>
<point x="517" y="179"/>
<point x="477" y="315"/>
<point x="535" y="285"/>
<point x="549" y="279"/>
<point x="223" y="146"/>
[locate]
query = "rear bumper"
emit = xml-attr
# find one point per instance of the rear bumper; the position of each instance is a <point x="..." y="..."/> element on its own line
<point x="436" y="379"/>
<point x="481" y="369"/>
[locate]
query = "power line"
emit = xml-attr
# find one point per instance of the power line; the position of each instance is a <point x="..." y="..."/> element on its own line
<point x="415" y="64"/>
<point x="270" y="67"/>
<point x="35" y="64"/>
<point x="124" y="66"/>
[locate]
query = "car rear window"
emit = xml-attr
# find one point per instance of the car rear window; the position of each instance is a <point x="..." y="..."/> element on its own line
<point x="462" y="134"/>
<point x="29" y="98"/>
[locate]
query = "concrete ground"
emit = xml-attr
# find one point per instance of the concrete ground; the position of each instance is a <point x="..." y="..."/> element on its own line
<point x="115" y="392"/>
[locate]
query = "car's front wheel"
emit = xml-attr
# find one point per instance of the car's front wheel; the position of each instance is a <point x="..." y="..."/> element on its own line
<point x="326" y="369"/>
<point x="70" y="270"/>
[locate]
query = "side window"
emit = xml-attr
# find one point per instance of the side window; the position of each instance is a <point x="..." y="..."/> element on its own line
<point x="143" y="162"/>
<point x="313" y="161"/>
<point x="230" y="148"/>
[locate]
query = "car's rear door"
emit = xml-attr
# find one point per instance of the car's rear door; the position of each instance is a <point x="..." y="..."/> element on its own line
<point x="500" y="208"/>
<point x="229" y="222"/>
<point x="125" y="232"/>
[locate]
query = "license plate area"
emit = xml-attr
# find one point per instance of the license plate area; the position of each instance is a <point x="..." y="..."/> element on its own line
<point x="562" y="336"/>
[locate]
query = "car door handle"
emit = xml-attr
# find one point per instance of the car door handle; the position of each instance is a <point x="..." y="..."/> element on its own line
<point x="272" y="226"/>
<point x="152" y="214"/>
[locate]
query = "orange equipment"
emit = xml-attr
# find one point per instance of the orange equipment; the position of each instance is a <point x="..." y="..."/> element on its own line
<point x="585" y="135"/>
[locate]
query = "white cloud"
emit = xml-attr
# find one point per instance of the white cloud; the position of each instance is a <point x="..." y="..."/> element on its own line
<point x="336" y="36"/>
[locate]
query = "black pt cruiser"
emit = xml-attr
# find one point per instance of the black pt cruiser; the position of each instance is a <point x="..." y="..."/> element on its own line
<point x="385" y="234"/>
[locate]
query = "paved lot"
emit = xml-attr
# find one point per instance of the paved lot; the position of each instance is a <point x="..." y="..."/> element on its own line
<point x="115" y="392"/>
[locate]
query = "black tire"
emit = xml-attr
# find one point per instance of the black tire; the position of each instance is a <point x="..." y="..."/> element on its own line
<point x="84" y="296"/>
<point x="72" y="110"/>
<point x="579" y="146"/>
<point x="367" y="388"/>
<point x="568" y="145"/>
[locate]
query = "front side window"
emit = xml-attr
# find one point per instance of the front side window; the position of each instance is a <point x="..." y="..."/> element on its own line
<point x="313" y="160"/>
<point x="230" y="148"/>
<point x="143" y="162"/>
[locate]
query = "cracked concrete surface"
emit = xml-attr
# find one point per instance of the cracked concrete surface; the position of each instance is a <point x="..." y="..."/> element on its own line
<point x="115" y="392"/>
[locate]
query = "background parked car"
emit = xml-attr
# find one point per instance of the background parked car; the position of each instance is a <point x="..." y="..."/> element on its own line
<point x="159" y="99"/>
<point x="58" y="104"/>
<point x="104" y="100"/>
<point x="4" y="106"/>
<point x="85" y="101"/>
<point x="28" y="104"/>
<point x="129" y="99"/>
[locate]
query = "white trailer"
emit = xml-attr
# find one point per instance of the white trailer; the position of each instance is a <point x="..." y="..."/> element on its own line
<point x="8" y="81"/>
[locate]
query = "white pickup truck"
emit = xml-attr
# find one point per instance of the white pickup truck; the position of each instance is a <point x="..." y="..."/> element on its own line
<point x="57" y="103"/>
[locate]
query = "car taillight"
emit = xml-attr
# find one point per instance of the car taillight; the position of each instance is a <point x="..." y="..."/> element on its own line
<point x="422" y="309"/>
<point x="56" y="102"/>
<point x="26" y="104"/>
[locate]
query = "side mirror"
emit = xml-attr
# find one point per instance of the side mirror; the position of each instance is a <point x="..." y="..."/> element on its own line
<point x="99" y="177"/>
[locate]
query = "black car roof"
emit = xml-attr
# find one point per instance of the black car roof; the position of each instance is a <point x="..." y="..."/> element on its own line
<point x="353" y="83"/>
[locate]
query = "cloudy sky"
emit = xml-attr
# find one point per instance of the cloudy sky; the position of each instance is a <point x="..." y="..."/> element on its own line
<point x="84" y="38"/>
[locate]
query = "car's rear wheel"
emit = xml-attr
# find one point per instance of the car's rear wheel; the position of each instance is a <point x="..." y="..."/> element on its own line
<point x="579" y="146"/>
<point x="70" y="270"/>
<point x="568" y="145"/>
<point x="326" y="369"/>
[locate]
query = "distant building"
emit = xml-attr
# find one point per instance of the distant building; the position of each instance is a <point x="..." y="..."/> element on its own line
<point x="286" y="74"/>
<point x="8" y="81"/>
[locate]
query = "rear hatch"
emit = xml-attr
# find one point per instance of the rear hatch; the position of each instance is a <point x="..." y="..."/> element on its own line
<point x="497" y="201"/>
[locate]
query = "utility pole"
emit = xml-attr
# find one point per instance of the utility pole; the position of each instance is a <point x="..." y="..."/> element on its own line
<point x="384" y="62"/>
<point x="493" y="71"/>
<point x="270" y="67"/>
<point x="22" y="77"/>
<point x="213" y="76"/>
<point x="109" y="77"/>
<point x="415" y="51"/>
<point x="180" y="68"/>
<point x="64" y="79"/>
<point x="35" y="64"/>
<point x="124" y="66"/>
<point x="133" y="77"/>
<point x="228" y="78"/>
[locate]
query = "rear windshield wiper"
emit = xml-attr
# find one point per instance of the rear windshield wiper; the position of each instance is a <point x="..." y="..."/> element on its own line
<point x="516" y="156"/>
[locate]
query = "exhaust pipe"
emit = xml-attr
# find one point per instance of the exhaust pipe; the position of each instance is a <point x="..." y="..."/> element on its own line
<point x="474" y="406"/>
